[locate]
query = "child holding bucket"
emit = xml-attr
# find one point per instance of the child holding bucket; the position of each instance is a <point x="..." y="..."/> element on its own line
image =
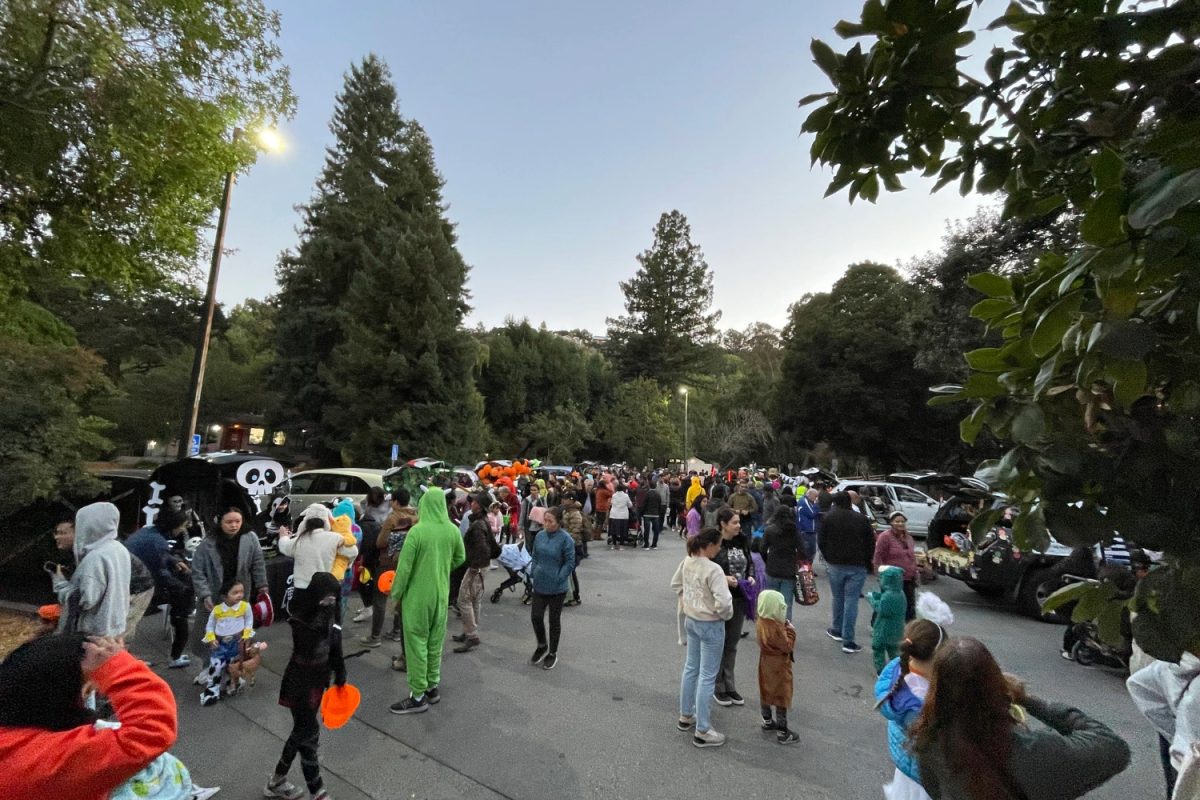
<point x="316" y="657"/>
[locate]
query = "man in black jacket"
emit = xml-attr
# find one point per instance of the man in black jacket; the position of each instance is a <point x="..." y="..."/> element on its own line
<point x="480" y="548"/>
<point x="847" y="543"/>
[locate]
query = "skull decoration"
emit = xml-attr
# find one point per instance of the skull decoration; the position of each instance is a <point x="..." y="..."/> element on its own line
<point x="260" y="477"/>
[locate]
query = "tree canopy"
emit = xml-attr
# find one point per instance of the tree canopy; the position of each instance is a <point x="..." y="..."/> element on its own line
<point x="1093" y="106"/>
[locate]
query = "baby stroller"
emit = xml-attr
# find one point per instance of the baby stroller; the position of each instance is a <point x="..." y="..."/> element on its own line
<point x="516" y="560"/>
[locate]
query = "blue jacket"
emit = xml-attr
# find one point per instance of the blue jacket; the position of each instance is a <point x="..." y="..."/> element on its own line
<point x="806" y="516"/>
<point x="150" y="545"/>
<point x="901" y="711"/>
<point x="553" y="561"/>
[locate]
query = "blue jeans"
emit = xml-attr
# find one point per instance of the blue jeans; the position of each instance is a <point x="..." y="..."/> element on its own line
<point x="845" y="585"/>
<point x="705" y="641"/>
<point x="787" y="588"/>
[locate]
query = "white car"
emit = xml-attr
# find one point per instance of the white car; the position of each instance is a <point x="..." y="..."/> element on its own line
<point x="883" y="498"/>
<point x="326" y="485"/>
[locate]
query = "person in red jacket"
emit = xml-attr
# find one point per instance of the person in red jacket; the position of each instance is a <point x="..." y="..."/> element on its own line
<point x="49" y="743"/>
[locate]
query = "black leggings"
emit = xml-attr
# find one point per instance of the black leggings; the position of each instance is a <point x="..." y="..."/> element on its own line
<point x="181" y="601"/>
<point x="305" y="736"/>
<point x="540" y="603"/>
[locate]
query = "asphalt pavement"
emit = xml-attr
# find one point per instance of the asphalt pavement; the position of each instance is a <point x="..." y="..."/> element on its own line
<point x="602" y="723"/>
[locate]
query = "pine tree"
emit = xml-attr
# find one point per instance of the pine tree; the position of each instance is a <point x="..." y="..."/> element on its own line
<point x="371" y="349"/>
<point x="669" y="322"/>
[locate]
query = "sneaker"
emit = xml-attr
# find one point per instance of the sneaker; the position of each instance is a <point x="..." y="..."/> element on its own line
<point x="574" y="601"/>
<point x="833" y="634"/>
<point x="200" y="793"/>
<point x="370" y="641"/>
<point x="399" y="664"/>
<point x="495" y="598"/>
<point x="736" y="698"/>
<point x="787" y="737"/>
<point x="467" y="646"/>
<point x="1067" y="655"/>
<point x="363" y="615"/>
<point x="181" y="662"/>
<point x="708" y="738"/>
<point x="526" y="600"/>
<point x="394" y="636"/>
<point x="770" y="725"/>
<point x="284" y="789"/>
<point x="539" y="654"/>
<point x="655" y="547"/>
<point x="550" y="661"/>
<point x="723" y="699"/>
<point x="410" y="705"/>
<point x="686" y="723"/>
<point x="322" y="795"/>
<point x="433" y="695"/>
<point x="851" y="647"/>
<point x="459" y="637"/>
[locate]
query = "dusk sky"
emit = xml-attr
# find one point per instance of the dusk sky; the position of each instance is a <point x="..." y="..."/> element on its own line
<point x="564" y="130"/>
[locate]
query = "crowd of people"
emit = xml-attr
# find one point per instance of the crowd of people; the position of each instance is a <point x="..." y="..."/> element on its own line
<point x="956" y="725"/>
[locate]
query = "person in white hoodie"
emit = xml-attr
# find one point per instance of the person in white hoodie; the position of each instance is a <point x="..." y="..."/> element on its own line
<point x="1169" y="696"/>
<point x="314" y="546"/>
<point x="705" y="603"/>
<point x="95" y="600"/>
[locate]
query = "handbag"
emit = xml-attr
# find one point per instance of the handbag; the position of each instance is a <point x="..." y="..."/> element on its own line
<point x="806" y="586"/>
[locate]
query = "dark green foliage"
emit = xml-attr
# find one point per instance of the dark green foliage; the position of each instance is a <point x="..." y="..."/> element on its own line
<point x="634" y="427"/>
<point x="534" y="377"/>
<point x="370" y="344"/>
<point x="668" y="321"/>
<point x="849" y="376"/>
<point x="1094" y="107"/>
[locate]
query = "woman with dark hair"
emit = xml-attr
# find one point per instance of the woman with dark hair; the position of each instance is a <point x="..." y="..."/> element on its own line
<point x="695" y="515"/>
<point x="230" y="551"/>
<point x="553" y="554"/>
<point x="704" y="605"/>
<point x="974" y="739"/>
<point x="778" y="548"/>
<point x="734" y="560"/>
<point x="50" y="744"/>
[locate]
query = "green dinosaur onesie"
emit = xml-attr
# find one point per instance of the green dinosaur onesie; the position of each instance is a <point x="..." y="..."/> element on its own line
<point x="890" y="607"/>
<point x="422" y="588"/>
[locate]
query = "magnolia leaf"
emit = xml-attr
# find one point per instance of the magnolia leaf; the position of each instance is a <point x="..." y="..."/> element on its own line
<point x="826" y="59"/>
<point x="1028" y="424"/>
<point x="1101" y="225"/>
<point x="991" y="309"/>
<point x="1054" y="322"/>
<point x="1164" y="199"/>
<point x="1066" y="594"/>
<point x="991" y="284"/>
<point x="986" y="359"/>
<point x="1128" y="379"/>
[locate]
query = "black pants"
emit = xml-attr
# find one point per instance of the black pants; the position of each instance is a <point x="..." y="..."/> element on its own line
<point x="379" y="603"/>
<point x="537" y="614"/>
<point x="910" y="601"/>
<point x="304" y="738"/>
<point x="181" y="600"/>
<point x="456" y="576"/>
<point x="733" y="635"/>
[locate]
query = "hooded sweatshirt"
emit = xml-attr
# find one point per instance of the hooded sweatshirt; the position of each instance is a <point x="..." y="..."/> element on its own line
<point x="694" y="491"/>
<point x="319" y="550"/>
<point x="100" y="583"/>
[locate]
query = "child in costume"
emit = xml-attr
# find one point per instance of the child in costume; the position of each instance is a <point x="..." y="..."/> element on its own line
<point x="890" y="607"/>
<point x="230" y="622"/>
<point x="316" y="657"/>
<point x="776" y="641"/>
<point x="901" y="688"/>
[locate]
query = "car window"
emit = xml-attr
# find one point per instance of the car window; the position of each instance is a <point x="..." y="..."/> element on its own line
<point x="325" y="484"/>
<point x="909" y="496"/>
<point x="302" y="484"/>
<point x="358" y="486"/>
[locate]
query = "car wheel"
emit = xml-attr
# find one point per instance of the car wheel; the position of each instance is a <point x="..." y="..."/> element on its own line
<point x="1034" y="589"/>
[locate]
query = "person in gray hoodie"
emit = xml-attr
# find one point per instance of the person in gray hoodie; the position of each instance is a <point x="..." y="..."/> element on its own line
<point x="96" y="598"/>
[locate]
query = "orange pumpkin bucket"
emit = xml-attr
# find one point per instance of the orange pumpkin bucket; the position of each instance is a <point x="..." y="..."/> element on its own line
<point x="338" y="705"/>
<point x="384" y="581"/>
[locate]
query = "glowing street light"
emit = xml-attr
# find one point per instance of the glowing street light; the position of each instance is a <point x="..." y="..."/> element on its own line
<point x="683" y="390"/>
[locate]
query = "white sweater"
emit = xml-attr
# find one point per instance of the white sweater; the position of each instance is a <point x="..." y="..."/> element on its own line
<point x="702" y="590"/>
<point x="314" y="552"/>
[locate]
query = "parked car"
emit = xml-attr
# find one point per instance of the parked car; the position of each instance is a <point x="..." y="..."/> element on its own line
<point x="939" y="485"/>
<point x="882" y="498"/>
<point x="327" y="485"/>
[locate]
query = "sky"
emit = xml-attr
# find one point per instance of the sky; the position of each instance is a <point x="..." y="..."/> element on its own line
<point x="563" y="132"/>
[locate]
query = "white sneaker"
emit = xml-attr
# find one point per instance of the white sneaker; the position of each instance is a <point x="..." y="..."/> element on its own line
<point x="708" y="738"/>
<point x="183" y="661"/>
<point x="363" y="615"/>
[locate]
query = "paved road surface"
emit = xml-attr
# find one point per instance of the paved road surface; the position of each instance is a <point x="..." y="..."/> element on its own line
<point x="601" y="725"/>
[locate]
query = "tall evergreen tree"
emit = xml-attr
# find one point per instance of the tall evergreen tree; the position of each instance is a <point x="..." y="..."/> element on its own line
<point x="369" y="337"/>
<point x="669" y="320"/>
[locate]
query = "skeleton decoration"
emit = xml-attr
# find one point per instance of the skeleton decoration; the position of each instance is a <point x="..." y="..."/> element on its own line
<point x="260" y="477"/>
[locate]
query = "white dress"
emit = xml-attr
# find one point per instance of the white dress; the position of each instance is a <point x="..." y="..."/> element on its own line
<point x="903" y="787"/>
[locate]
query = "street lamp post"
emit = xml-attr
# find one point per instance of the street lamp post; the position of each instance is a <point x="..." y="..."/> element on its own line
<point x="684" y="391"/>
<point x="271" y="141"/>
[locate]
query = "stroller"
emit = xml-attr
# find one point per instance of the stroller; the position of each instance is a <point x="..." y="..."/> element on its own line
<point x="516" y="560"/>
